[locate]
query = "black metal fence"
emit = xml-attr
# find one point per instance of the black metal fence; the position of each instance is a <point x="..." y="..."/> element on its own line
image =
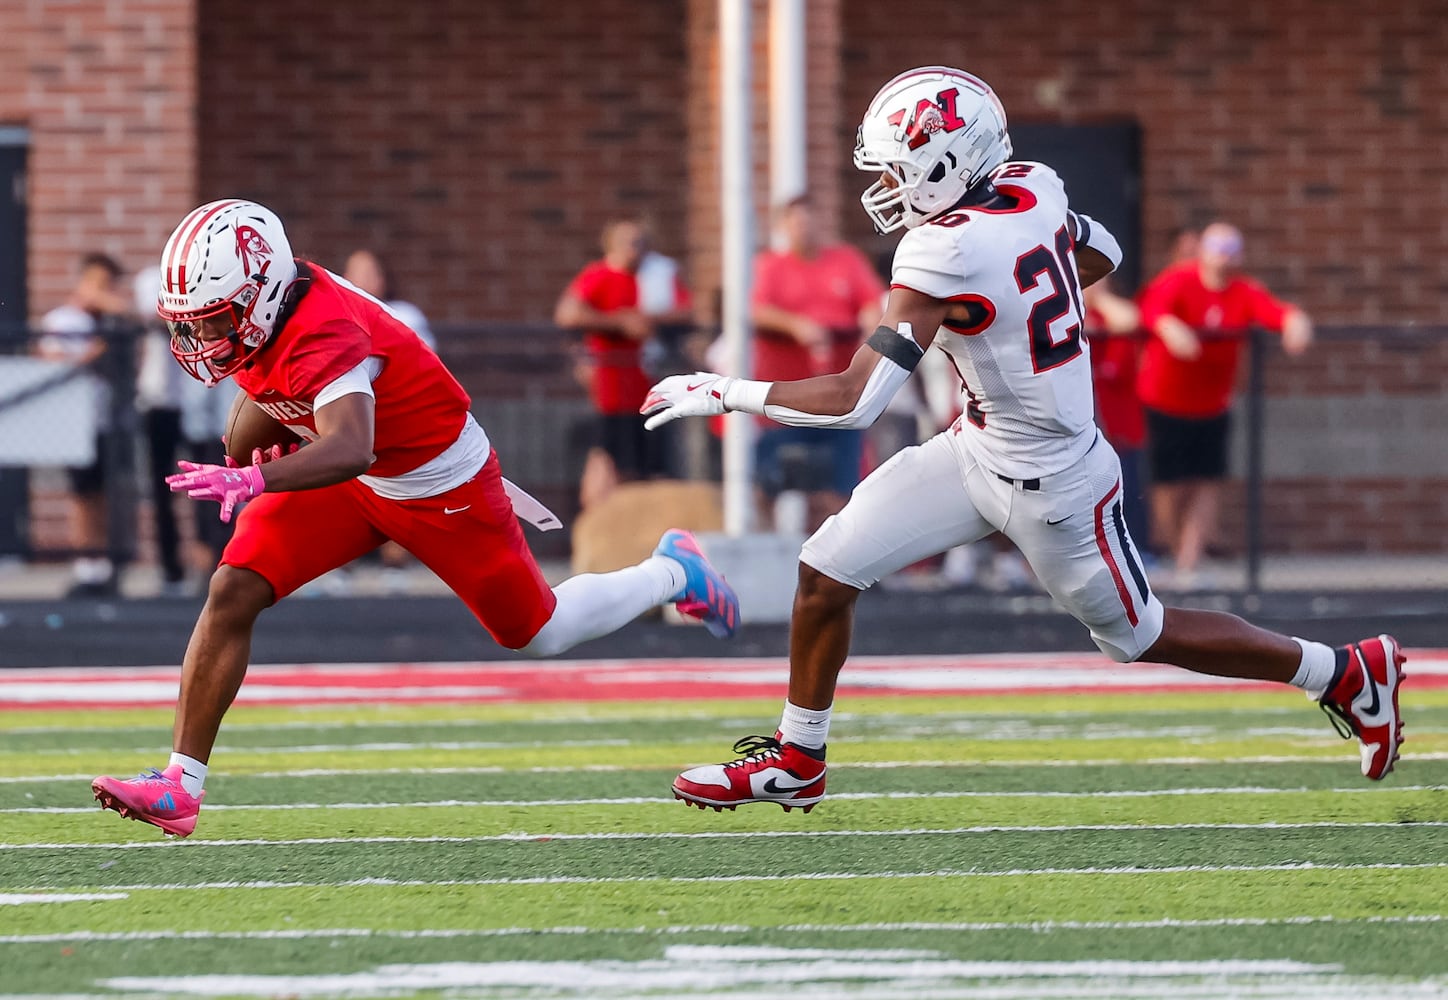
<point x="41" y="404"/>
<point x="1337" y="452"/>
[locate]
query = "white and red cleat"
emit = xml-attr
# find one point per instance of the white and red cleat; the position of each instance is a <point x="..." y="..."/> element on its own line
<point x="1362" y="701"/>
<point x="769" y="771"/>
<point x="154" y="797"/>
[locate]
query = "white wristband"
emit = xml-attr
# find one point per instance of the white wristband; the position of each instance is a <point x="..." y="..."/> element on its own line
<point x="746" y="396"/>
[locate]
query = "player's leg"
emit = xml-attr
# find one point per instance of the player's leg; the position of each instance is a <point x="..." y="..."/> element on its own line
<point x="1088" y="562"/>
<point x="282" y="541"/>
<point x="1166" y="458"/>
<point x="479" y="551"/>
<point x="911" y="507"/>
<point x="163" y="437"/>
<point x="1204" y="467"/>
<point x="1201" y="500"/>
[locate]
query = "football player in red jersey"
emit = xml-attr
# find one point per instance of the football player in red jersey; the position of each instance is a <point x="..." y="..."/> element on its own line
<point x="392" y="453"/>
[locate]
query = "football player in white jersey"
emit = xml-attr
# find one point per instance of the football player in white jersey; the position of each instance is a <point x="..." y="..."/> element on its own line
<point x="990" y="270"/>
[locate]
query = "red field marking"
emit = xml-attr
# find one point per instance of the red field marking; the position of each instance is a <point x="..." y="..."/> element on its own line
<point x="635" y="680"/>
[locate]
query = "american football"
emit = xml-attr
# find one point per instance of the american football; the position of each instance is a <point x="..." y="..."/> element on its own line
<point x="249" y="427"/>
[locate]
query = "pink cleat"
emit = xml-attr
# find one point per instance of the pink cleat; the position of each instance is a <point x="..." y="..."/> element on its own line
<point x="706" y="596"/>
<point x="154" y="797"/>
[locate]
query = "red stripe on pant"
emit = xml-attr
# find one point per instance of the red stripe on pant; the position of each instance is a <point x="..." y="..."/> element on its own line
<point x="1105" y="547"/>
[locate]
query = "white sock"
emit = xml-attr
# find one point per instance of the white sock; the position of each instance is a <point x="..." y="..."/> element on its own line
<point x="1318" y="664"/>
<point x="595" y="604"/>
<point x="193" y="772"/>
<point x="804" y="727"/>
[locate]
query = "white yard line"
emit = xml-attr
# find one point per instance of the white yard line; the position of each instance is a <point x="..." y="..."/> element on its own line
<point x="838" y="797"/>
<point x="343" y="748"/>
<point x="901" y="719"/>
<point x="194" y="844"/>
<point x="27" y="898"/>
<point x="846" y="876"/>
<point x="332" y="772"/>
<point x="1036" y="926"/>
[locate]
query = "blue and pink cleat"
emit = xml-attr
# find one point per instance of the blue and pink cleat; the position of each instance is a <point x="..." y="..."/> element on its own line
<point x="154" y="797"/>
<point x="706" y="596"/>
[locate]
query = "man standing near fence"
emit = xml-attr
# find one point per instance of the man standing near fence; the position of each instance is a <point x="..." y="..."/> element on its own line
<point x="1198" y="314"/>
<point x="71" y="333"/>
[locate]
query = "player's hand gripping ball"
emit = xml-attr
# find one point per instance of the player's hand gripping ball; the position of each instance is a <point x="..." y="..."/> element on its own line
<point x="250" y="429"/>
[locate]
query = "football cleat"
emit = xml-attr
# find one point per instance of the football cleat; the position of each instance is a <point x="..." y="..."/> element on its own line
<point x="706" y="596"/>
<point x="154" y="797"/>
<point x="1362" y="701"/>
<point x="769" y="771"/>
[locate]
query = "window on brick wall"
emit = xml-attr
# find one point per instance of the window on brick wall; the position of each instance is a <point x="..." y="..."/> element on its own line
<point x="1101" y="165"/>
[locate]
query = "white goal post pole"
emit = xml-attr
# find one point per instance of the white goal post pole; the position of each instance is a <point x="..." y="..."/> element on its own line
<point x="736" y="204"/>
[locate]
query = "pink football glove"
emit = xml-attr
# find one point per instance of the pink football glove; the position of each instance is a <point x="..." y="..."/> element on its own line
<point x="228" y="487"/>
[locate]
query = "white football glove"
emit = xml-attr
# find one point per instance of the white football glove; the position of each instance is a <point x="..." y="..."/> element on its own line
<point x="698" y="395"/>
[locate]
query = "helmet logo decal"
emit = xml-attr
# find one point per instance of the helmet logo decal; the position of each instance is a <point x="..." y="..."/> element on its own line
<point x="929" y="119"/>
<point x="250" y="244"/>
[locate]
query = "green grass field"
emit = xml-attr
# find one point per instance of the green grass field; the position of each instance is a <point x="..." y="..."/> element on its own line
<point x="1185" y="845"/>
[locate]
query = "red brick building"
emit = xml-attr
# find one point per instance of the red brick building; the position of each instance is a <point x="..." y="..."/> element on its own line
<point x="481" y="146"/>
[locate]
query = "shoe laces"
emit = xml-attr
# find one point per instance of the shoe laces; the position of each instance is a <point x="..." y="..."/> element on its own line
<point x="756" y="749"/>
<point x="1344" y="723"/>
<point x="150" y="774"/>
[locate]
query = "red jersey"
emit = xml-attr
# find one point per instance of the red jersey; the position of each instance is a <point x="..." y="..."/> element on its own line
<point x="1203" y="386"/>
<point x="619" y="381"/>
<point x="1113" y="380"/>
<point x="421" y="408"/>
<point x="831" y="288"/>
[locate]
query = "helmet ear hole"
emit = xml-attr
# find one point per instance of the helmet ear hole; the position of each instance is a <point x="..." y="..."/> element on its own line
<point x="938" y="174"/>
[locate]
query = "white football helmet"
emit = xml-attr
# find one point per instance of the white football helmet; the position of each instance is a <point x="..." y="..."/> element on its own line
<point x="936" y="132"/>
<point x="228" y="256"/>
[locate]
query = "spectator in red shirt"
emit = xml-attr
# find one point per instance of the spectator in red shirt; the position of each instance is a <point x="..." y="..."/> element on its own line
<point x="813" y="305"/>
<point x="1112" y="323"/>
<point x="1198" y="313"/>
<point x="604" y="302"/>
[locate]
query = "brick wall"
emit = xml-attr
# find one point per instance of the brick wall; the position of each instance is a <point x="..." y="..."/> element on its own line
<point x="479" y="146"/>
<point x="1353" y="449"/>
<point x="107" y="90"/>
<point x="1319" y="127"/>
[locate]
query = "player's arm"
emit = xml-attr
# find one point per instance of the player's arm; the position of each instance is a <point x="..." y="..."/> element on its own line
<point x="1097" y="252"/>
<point x="344" y="417"/>
<point x="854" y="397"/>
<point x="573" y="313"/>
<point x="342" y="450"/>
<point x="1296" y="331"/>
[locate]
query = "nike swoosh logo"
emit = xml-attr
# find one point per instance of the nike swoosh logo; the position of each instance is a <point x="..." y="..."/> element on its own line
<point x="773" y="787"/>
<point x="1370" y="685"/>
<point x="455" y="510"/>
<point x="691" y="388"/>
<point x="1060" y="519"/>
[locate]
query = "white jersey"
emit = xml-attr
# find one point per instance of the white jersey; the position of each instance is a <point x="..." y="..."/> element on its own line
<point x="1024" y="365"/>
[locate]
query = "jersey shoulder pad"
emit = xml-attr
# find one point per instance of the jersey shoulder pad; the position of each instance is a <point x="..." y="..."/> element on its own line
<point x="1027" y="173"/>
<point x="933" y="259"/>
<point x="1043" y="182"/>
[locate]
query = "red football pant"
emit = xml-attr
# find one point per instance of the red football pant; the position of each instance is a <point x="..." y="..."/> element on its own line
<point x="468" y="536"/>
